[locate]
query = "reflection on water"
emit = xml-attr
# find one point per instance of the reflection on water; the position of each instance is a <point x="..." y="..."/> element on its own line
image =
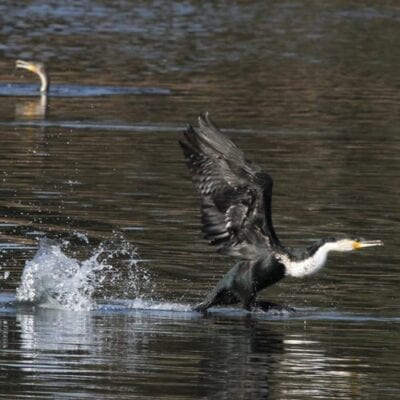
<point x="308" y="90"/>
<point x="195" y="357"/>
<point x="31" y="109"/>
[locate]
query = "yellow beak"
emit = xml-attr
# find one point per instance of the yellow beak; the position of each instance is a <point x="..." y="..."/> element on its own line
<point x="26" y="65"/>
<point x="359" y="244"/>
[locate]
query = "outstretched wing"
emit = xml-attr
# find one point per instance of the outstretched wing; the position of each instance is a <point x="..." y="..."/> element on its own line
<point x="235" y="194"/>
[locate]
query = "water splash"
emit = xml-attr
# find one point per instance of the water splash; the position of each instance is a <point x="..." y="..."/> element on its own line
<point x="56" y="280"/>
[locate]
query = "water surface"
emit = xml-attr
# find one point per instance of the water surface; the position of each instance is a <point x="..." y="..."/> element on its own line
<point x="309" y="91"/>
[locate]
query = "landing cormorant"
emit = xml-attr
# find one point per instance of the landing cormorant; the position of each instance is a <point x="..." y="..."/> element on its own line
<point x="37" y="68"/>
<point x="235" y="197"/>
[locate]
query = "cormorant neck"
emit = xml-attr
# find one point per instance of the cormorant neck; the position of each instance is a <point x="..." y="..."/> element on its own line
<point x="310" y="263"/>
<point x="44" y="82"/>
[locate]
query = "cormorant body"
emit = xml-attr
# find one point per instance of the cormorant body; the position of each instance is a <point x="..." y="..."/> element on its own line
<point x="235" y="203"/>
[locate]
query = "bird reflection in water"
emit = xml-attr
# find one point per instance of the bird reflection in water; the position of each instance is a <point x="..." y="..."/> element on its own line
<point x="36" y="108"/>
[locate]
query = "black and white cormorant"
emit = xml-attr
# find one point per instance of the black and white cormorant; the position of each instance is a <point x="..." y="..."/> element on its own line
<point x="235" y="200"/>
<point x="37" y="68"/>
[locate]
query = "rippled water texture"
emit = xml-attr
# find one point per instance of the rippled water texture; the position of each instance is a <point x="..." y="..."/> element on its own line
<point x="97" y="208"/>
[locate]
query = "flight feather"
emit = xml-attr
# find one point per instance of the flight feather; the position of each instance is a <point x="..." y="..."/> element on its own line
<point x="235" y="194"/>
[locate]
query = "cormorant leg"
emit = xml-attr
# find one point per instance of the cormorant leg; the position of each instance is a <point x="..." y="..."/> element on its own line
<point x="268" y="306"/>
<point x="203" y="306"/>
<point x="210" y="300"/>
<point x="250" y="303"/>
<point x="215" y="298"/>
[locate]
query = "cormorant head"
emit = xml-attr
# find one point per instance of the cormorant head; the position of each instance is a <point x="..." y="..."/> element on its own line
<point x="314" y="258"/>
<point x="38" y="68"/>
<point x="345" y="244"/>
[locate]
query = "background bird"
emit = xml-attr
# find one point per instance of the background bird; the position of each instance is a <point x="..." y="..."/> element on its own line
<point x="37" y="68"/>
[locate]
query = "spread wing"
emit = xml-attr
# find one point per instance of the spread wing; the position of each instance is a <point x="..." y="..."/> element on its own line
<point x="235" y="194"/>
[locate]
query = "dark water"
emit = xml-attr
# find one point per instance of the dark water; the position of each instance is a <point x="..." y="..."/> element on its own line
<point x="308" y="90"/>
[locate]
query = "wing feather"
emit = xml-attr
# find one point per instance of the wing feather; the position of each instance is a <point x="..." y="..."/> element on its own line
<point x="235" y="194"/>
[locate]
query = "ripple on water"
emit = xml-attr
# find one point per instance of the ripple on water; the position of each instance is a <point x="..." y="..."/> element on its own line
<point x="15" y="89"/>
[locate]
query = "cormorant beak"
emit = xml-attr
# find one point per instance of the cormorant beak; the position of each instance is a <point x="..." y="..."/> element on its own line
<point x="26" y="65"/>
<point x="360" y="244"/>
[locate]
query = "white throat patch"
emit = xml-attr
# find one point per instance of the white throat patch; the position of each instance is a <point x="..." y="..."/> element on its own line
<point x="309" y="266"/>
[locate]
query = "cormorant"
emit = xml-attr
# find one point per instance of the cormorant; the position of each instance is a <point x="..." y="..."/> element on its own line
<point x="235" y="197"/>
<point x="39" y="69"/>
